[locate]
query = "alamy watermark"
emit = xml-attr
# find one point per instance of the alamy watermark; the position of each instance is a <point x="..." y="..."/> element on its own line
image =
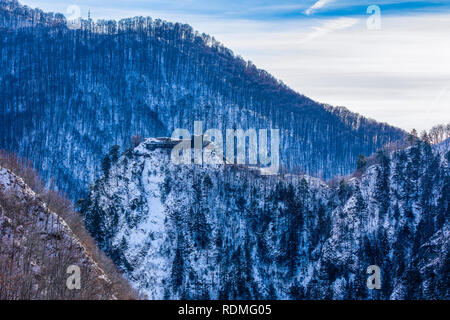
<point x="74" y="17"/>
<point x="374" y="21"/>
<point x="74" y="280"/>
<point x="209" y="147"/>
<point x="374" y="280"/>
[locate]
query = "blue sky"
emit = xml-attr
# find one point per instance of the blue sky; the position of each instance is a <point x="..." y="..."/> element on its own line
<point x="259" y="10"/>
<point x="396" y="70"/>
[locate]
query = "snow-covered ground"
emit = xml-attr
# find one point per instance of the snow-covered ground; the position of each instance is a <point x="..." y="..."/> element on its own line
<point x="196" y="231"/>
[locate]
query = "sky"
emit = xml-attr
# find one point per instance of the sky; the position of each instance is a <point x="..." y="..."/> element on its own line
<point x="385" y="59"/>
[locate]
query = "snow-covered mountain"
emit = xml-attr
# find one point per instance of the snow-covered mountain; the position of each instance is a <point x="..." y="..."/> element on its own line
<point x="38" y="248"/>
<point x="202" y="231"/>
<point x="223" y="231"/>
<point x="69" y="95"/>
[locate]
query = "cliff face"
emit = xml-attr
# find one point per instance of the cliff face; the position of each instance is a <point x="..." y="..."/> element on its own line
<point x="191" y="231"/>
<point x="67" y="92"/>
<point x="37" y="247"/>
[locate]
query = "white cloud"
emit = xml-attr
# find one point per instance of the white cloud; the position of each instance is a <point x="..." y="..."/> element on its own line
<point x="330" y="26"/>
<point x="319" y="4"/>
<point x="398" y="75"/>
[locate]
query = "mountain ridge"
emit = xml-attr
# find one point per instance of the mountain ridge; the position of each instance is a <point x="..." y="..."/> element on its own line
<point x="111" y="80"/>
<point x="224" y="232"/>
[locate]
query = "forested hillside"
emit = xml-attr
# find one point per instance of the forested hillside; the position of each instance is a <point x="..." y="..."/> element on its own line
<point x="226" y="232"/>
<point x="69" y="95"/>
<point x="41" y="237"/>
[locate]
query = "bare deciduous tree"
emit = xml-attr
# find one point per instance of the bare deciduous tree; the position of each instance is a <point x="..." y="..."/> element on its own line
<point x="40" y="236"/>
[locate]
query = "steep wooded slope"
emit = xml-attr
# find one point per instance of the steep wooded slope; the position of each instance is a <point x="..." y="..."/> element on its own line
<point x="191" y="231"/>
<point x="69" y="95"/>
